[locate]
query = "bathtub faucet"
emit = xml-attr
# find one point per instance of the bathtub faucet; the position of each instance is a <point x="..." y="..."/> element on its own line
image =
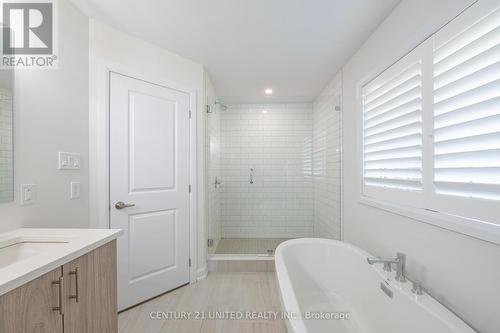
<point x="400" y="262"/>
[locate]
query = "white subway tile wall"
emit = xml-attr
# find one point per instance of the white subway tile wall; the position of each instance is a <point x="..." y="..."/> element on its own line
<point x="213" y="149"/>
<point x="276" y="141"/>
<point x="327" y="146"/>
<point x="6" y="147"/>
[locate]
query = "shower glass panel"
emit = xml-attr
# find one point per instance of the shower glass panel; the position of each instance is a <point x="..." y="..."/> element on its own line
<point x="213" y="172"/>
<point x="266" y="166"/>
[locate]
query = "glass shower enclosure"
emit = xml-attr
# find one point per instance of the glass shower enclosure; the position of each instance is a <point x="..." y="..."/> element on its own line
<point x="273" y="173"/>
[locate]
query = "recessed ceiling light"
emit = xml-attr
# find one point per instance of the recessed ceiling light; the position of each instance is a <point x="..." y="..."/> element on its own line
<point x="268" y="91"/>
<point x="264" y="111"/>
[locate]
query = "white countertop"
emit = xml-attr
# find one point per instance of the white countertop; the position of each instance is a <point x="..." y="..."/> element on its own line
<point x="72" y="243"/>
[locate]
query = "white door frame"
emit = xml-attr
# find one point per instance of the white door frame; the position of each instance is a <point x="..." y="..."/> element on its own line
<point x="99" y="94"/>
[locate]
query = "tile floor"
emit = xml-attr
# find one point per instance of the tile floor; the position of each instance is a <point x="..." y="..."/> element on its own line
<point x="231" y="292"/>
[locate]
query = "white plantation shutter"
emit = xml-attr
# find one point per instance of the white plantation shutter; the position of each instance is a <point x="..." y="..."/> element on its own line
<point x="392" y="129"/>
<point x="431" y="127"/>
<point x="467" y="112"/>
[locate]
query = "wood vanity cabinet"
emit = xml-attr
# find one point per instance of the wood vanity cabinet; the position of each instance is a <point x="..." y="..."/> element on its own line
<point x="90" y="291"/>
<point x="79" y="297"/>
<point x="29" y="307"/>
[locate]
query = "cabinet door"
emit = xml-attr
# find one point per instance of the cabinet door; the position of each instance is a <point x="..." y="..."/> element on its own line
<point x="90" y="292"/>
<point x="33" y="307"/>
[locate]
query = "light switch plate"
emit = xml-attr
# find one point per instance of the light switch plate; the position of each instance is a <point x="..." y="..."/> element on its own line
<point x="28" y="194"/>
<point x="69" y="161"/>
<point x="75" y="190"/>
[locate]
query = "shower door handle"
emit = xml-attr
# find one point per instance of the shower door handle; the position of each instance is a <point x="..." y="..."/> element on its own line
<point x="217" y="183"/>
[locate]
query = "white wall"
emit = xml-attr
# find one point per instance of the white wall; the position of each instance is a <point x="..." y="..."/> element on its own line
<point x="51" y="115"/>
<point x="110" y="48"/>
<point x="326" y="160"/>
<point x="460" y="271"/>
<point x="278" y="145"/>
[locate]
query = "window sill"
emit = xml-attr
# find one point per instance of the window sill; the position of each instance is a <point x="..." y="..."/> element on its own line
<point x="489" y="232"/>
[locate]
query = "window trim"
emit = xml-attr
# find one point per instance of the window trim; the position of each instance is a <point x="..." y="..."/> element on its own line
<point x="482" y="230"/>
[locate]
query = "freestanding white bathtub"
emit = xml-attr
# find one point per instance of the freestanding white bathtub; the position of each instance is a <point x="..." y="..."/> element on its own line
<point x="328" y="286"/>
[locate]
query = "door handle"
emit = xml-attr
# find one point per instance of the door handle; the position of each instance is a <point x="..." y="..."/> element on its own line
<point x="121" y="205"/>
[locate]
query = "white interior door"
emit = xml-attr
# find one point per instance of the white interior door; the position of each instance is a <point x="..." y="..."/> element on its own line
<point x="149" y="169"/>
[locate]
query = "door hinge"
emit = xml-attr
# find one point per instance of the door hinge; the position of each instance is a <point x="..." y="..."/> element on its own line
<point x="189" y="188"/>
<point x="189" y="114"/>
<point x="189" y="262"/>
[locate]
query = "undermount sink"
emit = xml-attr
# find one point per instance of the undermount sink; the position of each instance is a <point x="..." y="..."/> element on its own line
<point x="17" y="249"/>
<point x="28" y="253"/>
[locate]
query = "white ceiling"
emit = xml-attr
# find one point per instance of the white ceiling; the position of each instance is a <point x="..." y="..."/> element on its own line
<point x="292" y="46"/>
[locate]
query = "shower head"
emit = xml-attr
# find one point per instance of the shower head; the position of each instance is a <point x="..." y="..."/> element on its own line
<point x="222" y="105"/>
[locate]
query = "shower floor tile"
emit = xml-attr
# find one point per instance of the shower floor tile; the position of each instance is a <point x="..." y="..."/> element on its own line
<point x="248" y="245"/>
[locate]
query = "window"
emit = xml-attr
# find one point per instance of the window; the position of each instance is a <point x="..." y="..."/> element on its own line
<point x="392" y="132"/>
<point x="431" y="123"/>
<point x="467" y="111"/>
